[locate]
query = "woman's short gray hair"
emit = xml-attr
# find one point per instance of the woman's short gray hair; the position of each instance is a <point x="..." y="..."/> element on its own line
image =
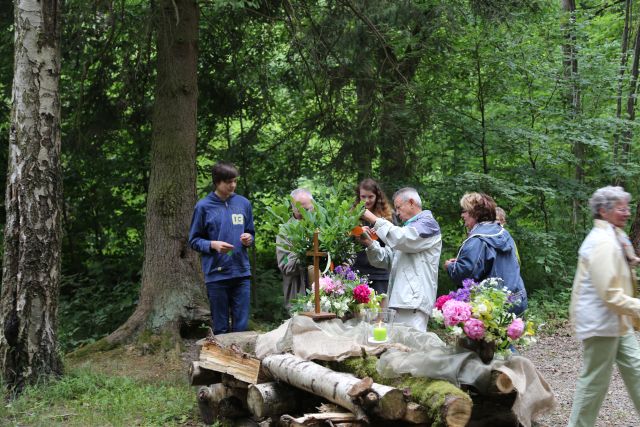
<point x="606" y="198"/>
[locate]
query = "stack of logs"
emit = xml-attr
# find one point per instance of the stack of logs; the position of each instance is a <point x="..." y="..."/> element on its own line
<point x="285" y="390"/>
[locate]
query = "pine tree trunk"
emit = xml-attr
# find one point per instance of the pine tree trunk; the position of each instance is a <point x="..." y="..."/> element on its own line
<point x="172" y="294"/>
<point x="32" y="239"/>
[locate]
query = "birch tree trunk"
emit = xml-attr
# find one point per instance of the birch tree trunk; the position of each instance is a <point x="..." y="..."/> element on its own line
<point x="333" y="386"/>
<point x="172" y="294"/>
<point x="32" y="234"/>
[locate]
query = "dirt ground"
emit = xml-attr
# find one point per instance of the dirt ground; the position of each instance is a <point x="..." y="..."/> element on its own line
<point x="558" y="357"/>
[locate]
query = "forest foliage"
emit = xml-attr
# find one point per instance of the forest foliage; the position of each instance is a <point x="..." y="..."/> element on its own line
<point x="445" y="96"/>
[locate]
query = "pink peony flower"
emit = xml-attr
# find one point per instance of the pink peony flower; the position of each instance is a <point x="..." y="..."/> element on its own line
<point x="441" y="300"/>
<point x="515" y="329"/>
<point x="474" y="328"/>
<point x="455" y="312"/>
<point x="362" y="294"/>
<point x="327" y="285"/>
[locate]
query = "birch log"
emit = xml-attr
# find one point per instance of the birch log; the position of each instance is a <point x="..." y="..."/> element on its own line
<point x="221" y="401"/>
<point x="333" y="386"/>
<point x="272" y="398"/>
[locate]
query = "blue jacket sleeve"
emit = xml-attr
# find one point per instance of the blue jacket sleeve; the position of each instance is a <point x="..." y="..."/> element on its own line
<point x="471" y="262"/>
<point x="198" y="239"/>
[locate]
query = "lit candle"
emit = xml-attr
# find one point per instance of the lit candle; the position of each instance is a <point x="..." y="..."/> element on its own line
<point x="380" y="332"/>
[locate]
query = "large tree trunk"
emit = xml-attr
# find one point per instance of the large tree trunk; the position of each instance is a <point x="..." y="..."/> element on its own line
<point x="172" y="293"/>
<point x="32" y="236"/>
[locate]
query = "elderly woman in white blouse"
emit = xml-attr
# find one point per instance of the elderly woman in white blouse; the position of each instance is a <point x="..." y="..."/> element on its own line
<point x="604" y="306"/>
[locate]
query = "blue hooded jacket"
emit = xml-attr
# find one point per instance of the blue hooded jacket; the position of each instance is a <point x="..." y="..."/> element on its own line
<point x="225" y="220"/>
<point x="490" y="251"/>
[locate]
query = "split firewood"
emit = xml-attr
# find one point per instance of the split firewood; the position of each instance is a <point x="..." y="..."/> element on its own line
<point x="237" y="364"/>
<point x="333" y="386"/>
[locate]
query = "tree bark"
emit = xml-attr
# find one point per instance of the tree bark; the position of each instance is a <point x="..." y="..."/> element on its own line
<point x="32" y="234"/>
<point x="627" y="134"/>
<point x="572" y="92"/>
<point x="621" y="71"/>
<point x="172" y="293"/>
<point x="333" y="386"/>
<point x="272" y="398"/>
<point x="634" y="233"/>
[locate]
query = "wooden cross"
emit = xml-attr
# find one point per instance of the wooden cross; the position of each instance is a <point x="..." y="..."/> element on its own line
<point x="316" y="254"/>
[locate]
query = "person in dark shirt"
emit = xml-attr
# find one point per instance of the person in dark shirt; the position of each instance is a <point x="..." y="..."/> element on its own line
<point x="222" y="230"/>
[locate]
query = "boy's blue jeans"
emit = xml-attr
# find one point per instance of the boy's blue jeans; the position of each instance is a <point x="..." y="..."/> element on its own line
<point x="229" y="297"/>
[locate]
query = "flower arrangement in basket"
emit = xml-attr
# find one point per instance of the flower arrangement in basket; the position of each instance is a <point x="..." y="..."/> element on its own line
<point x="480" y="312"/>
<point x="342" y="291"/>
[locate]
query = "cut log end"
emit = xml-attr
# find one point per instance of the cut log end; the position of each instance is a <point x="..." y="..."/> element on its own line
<point x="392" y="405"/>
<point x="457" y="411"/>
<point x="361" y="387"/>
<point x="504" y="383"/>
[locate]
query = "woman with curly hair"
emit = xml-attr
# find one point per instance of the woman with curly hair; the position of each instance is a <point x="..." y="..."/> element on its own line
<point x="370" y="192"/>
<point x="488" y="251"/>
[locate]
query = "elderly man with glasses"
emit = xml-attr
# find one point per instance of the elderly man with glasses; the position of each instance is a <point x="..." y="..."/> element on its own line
<point x="411" y="254"/>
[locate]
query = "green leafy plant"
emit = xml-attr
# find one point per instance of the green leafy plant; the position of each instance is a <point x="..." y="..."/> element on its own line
<point x="333" y="217"/>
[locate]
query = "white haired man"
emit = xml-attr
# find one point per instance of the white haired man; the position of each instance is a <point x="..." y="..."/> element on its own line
<point x="412" y="253"/>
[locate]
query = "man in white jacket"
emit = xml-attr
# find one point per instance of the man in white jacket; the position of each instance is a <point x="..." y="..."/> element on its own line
<point x="412" y="253"/>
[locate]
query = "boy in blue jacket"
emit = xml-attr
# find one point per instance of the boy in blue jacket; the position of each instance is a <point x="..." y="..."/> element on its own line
<point x="222" y="230"/>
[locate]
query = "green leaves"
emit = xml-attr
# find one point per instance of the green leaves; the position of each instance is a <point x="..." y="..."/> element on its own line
<point x="333" y="216"/>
